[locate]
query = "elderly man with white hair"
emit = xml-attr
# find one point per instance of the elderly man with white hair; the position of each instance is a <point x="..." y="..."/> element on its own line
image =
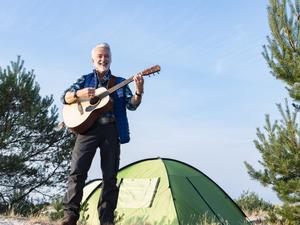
<point x="109" y="131"/>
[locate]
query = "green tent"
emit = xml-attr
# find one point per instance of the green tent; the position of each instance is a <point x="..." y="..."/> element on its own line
<point x="164" y="191"/>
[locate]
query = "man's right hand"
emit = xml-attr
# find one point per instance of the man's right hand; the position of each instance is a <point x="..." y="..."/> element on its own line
<point x="86" y="93"/>
<point x="82" y="93"/>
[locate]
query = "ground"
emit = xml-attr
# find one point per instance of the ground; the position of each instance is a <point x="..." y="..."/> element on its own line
<point x="22" y="221"/>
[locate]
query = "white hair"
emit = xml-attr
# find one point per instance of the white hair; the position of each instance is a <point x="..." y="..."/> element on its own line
<point x="101" y="45"/>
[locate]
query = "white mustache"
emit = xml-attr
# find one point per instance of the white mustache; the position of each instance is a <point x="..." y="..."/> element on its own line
<point x="103" y="64"/>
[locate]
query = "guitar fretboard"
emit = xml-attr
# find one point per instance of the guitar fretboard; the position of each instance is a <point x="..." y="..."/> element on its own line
<point x="153" y="69"/>
<point x="119" y="85"/>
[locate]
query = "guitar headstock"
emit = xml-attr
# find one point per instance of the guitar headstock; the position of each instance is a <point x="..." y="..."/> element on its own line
<point x="151" y="70"/>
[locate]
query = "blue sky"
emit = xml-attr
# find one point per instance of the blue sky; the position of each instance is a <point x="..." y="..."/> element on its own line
<point x="213" y="91"/>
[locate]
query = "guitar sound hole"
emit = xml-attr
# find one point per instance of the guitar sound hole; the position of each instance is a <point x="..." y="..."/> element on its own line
<point x="94" y="100"/>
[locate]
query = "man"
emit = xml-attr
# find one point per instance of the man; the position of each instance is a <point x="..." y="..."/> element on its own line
<point x="108" y="132"/>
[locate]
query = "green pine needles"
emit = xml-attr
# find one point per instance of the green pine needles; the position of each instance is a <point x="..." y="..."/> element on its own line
<point x="283" y="50"/>
<point x="279" y="145"/>
<point x="279" y="141"/>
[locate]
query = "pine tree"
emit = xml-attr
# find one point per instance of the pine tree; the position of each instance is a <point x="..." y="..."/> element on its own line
<point x="34" y="156"/>
<point x="279" y="148"/>
<point x="279" y="144"/>
<point x="283" y="50"/>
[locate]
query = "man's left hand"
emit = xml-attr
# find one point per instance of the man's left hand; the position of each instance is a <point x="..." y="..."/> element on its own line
<point x="139" y="83"/>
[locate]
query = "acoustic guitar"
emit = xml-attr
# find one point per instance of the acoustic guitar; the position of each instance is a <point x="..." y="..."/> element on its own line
<point x="82" y="114"/>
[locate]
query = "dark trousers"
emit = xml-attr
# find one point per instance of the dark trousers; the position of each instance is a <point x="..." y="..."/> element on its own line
<point x="104" y="136"/>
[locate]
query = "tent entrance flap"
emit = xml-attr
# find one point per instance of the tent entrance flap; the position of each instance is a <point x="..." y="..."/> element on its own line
<point x="137" y="193"/>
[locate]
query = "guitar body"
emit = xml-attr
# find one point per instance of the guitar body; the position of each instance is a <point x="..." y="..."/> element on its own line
<point x="81" y="115"/>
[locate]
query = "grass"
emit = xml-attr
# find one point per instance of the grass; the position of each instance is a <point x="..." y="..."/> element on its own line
<point x="259" y="215"/>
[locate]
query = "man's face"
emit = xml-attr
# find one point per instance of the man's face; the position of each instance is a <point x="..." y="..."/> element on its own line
<point x="101" y="59"/>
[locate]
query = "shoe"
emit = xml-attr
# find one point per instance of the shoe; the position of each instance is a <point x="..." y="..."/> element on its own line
<point x="68" y="220"/>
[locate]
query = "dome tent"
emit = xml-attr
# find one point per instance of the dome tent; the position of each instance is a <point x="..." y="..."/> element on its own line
<point x="165" y="191"/>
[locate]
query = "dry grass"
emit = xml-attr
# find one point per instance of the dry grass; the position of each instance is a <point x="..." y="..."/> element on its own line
<point x="261" y="217"/>
<point x="257" y="217"/>
<point x="41" y="220"/>
<point x="33" y="220"/>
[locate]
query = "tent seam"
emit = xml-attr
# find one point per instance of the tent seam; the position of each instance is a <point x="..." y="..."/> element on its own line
<point x="171" y="191"/>
<point x="204" y="199"/>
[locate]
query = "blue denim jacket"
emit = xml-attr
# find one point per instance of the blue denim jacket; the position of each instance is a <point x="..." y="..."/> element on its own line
<point x="122" y="100"/>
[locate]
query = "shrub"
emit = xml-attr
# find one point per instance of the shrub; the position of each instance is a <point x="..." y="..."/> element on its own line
<point x="251" y="202"/>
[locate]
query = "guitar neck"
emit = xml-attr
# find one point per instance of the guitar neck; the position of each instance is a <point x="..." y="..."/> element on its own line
<point x="119" y="85"/>
<point x="152" y="70"/>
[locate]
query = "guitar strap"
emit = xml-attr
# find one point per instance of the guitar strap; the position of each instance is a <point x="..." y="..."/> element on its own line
<point x="111" y="81"/>
<point x="109" y="106"/>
